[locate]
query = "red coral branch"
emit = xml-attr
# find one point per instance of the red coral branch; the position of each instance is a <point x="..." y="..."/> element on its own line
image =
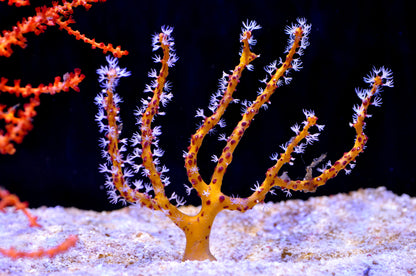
<point x="18" y="125"/>
<point x="18" y="3"/>
<point x="49" y="16"/>
<point x="52" y="252"/>
<point x="8" y="199"/>
<point x="117" y="52"/>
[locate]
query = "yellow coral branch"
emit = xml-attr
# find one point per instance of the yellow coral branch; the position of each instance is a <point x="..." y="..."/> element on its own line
<point x="210" y="122"/>
<point x="361" y="139"/>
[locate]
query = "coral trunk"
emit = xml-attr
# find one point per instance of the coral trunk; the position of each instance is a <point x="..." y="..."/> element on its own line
<point x="197" y="239"/>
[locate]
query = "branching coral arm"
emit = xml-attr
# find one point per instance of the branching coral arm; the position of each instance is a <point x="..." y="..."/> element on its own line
<point x="298" y="41"/>
<point x="298" y="34"/>
<point x="117" y="52"/>
<point x="377" y="79"/>
<point x="148" y="134"/>
<point x="36" y="24"/>
<point x="286" y="157"/>
<point x="260" y="191"/>
<point x="108" y="101"/>
<point x="210" y="122"/>
<point x="147" y="138"/>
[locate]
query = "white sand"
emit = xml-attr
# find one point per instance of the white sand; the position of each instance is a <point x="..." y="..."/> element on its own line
<point x="369" y="232"/>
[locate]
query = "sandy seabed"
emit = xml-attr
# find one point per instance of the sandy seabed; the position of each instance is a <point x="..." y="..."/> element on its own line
<point x="368" y="232"/>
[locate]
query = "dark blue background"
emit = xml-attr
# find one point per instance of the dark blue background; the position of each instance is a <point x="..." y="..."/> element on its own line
<point x="57" y="162"/>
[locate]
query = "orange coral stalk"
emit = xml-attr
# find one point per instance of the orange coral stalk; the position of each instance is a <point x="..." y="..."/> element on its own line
<point x="18" y="125"/>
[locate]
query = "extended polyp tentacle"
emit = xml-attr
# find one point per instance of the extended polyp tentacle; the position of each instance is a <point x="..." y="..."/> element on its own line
<point x="232" y="142"/>
<point x="211" y="121"/>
